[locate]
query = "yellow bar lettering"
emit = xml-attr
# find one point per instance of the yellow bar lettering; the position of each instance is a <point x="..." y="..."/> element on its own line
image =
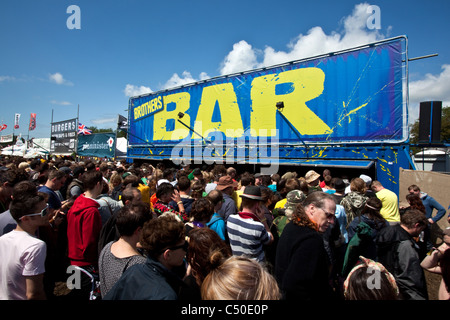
<point x="160" y="119"/>
<point x="226" y="99"/>
<point x="306" y="83"/>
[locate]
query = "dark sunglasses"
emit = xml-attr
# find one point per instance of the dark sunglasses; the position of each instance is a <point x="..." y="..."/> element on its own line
<point x="184" y="246"/>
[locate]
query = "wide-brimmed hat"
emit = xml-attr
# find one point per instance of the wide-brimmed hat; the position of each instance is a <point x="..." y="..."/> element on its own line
<point x="226" y="182"/>
<point x="311" y="176"/>
<point x="252" y="192"/>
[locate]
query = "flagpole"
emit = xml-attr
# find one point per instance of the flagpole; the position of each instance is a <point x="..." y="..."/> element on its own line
<point x="115" y="144"/>
<point x="28" y="135"/>
<point x="14" y="129"/>
<point x="51" y="128"/>
<point x="76" y="141"/>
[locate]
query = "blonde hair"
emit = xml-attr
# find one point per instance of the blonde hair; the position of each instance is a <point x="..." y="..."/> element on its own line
<point x="240" y="278"/>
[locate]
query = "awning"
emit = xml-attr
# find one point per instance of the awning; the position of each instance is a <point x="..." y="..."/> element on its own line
<point x="355" y="164"/>
<point x="330" y="163"/>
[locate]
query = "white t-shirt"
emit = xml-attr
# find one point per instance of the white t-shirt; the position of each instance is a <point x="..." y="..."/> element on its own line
<point x="21" y="255"/>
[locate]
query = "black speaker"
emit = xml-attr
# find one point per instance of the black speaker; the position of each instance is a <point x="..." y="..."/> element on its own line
<point x="430" y="121"/>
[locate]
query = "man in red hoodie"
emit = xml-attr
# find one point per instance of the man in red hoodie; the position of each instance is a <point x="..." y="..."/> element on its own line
<point x="83" y="230"/>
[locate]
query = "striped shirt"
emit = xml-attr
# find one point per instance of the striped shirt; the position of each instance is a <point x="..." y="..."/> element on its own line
<point x="247" y="237"/>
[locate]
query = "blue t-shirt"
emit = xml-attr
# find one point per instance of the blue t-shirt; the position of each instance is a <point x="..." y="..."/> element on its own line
<point x="53" y="199"/>
<point x="7" y="222"/>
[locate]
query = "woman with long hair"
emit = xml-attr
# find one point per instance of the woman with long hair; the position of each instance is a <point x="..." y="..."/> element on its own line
<point x="205" y="253"/>
<point x="414" y="203"/>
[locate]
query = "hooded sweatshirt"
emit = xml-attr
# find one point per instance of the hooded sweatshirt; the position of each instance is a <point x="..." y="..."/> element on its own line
<point x="430" y="203"/>
<point x="83" y="230"/>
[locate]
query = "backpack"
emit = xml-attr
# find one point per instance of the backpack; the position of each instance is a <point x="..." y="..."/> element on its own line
<point x="217" y="218"/>
<point x="356" y="246"/>
<point x="387" y="255"/>
<point x="108" y="232"/>
<point x="279" y="223"/>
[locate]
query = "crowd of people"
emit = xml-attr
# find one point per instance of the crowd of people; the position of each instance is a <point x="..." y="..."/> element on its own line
<point x="128" y="231"/>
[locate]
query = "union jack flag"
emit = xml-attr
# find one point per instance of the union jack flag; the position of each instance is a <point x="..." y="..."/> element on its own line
<point x="82" y="129"/>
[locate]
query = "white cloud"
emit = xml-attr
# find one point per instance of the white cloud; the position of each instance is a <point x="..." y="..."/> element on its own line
<point x="59" y="79"/>
<point x="110" y="120"/>
<point x="241" y="58"/>
<point x="174" y="81"/>
<point x="204" y="76"/>
<point x="430" y="88"/>
<point x="61" y="103"/>
<point x="186" y="78"/>
<point x="6" y="78"/>
<point x="132" y="90"/>
<point x="315" y="42"/>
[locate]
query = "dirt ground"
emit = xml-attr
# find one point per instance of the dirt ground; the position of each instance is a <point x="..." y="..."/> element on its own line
<point x="433" y="282"/>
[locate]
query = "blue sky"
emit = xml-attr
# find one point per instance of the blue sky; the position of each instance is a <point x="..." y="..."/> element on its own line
<point x="130" y="47"/>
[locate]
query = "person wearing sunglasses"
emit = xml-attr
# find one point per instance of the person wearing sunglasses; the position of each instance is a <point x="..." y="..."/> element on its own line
<point x="301" y="264"/>
<point x="23" y="254"/>
<point x="163" y="240"/>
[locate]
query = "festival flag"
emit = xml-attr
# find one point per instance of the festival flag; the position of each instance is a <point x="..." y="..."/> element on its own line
<point x="122" y="123"/>
<point x="3" y="127"/>
<point x="82" y="129"/>
<point x="16" y="120"/>
<point x="32" y="122"/>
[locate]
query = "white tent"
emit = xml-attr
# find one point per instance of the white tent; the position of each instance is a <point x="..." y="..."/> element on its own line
<point x="433" y="160"/>
<point x="34" y="153"/>
<point x="121" y="147"/>
<point x="15" y="150"/>
<point x="39" y="149"/>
